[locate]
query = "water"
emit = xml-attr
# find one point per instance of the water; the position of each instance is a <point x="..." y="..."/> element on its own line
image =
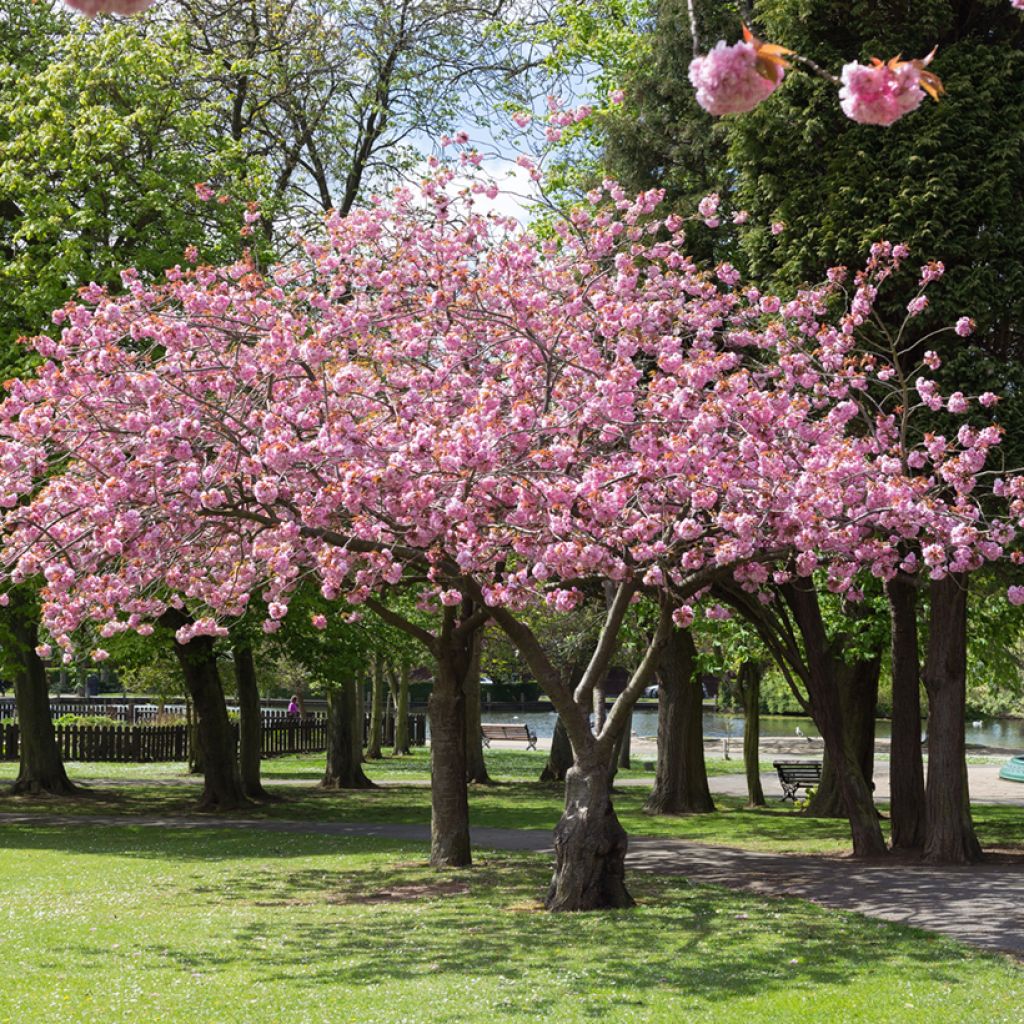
<point x="1006" y="733"/>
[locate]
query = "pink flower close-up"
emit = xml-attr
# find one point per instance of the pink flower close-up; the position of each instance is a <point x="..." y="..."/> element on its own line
<point x="881" y="93"/>
<point x="733" y="79"/>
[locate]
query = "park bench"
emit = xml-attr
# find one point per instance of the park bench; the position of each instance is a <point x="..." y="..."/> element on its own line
<point x="796" y="775"/>
<point x="508" y="732"/>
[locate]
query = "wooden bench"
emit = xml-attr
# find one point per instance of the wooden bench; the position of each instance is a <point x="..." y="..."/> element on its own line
<point x="796" y="775"/>
<point x="508" y="732"/>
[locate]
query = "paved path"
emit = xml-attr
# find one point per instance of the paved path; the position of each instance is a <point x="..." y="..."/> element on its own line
<point x="982" y="905"/>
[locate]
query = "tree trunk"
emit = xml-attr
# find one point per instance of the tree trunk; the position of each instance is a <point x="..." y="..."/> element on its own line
<point x="826" y="706"/>
<point x="681" y="778"/>
<point x="623" y="759"/>
<point x="358" y="712"/>
<point x="858" y="695"/>
<point x="560" y="755"/>
<point x="906" y="770"/>
<point x="378" y="698"/>
<point x="195" y="753"/>
<point x="950" y="837"/>
<point x="41" y="769"/>
<point x="402" y="712"/>
<point x="222" y="786"/>
<point x="250" y="724"/>
<point x="344" y="768"/>
<point x="476" y="766"/>
<point x="750" y="693"/>
<point x="449" y="818"/>
<point x="590" y="845"/>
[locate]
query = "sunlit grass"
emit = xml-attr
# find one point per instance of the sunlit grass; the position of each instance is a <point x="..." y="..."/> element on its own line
<point x="125" y="925"/>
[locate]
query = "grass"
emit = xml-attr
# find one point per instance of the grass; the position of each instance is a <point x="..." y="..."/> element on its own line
<point x="119" y="925"/>
<point x="517" y="801"/>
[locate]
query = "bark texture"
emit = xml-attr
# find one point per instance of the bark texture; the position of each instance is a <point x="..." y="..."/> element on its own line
<point x="344" y="767"/>
<point x="222" y="785"/>
<point x="560" y="756"/>
<point x="950" y="837"/>
<point x="826" y="707"/>
<point x="858" y="696"/>
<point x="906" y="784"/>
<point x="749" y="683"/>
<point x="476" y="766"/>
<point x="400" y="693"/>
<point x="40" y="768"/>
<point x="446" y="708"/>
<point x="681" y="779"/>
<point x="590" y="845"/>
<point x="250" y="724"/>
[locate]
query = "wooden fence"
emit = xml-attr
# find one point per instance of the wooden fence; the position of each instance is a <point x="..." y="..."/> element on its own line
<point x="142" y="743"/>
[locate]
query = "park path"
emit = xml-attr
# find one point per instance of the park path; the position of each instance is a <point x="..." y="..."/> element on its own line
<point x="982" y="905"/>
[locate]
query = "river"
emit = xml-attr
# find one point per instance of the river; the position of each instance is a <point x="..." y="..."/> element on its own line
<point x="995" y="732"/>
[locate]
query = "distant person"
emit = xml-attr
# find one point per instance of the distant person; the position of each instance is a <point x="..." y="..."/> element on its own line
<point x="293" y="706"/>
<point x="3" y="687"/>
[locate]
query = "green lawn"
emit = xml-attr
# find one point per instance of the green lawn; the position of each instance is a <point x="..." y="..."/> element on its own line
<point x="516" y="801"/>
<point x="131" y="925"/>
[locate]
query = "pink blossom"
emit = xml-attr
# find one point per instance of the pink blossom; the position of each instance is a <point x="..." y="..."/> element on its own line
<point x="616" y="96"/>
<point x="521" y="118"/>
<point x="988" y="399"/>
<point x="778" y="227"/>
<point x="91" y="8"/>
<point x="881" y="93"/>
<point x="965" y="325"/>
<point x="318" y="620"/>
<point x="740" y="217"/>
<point x="44" y="651"/>
<point x="1015" y="595"/>
<point x="683" y="616"/>
<point x="733" y="79"/>
<point x="957" y="403"/>
<point x="917" y="305"/>
<point x="204" y="192"/>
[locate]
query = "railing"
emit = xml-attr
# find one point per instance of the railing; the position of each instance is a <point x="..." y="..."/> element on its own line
<point x="142" y="743"/>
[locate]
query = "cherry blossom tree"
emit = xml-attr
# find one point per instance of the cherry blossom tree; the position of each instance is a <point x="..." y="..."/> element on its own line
<point x="438" y="399"/>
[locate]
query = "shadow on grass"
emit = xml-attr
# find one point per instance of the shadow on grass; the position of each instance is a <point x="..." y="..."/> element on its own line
<point x="686" y="937"/>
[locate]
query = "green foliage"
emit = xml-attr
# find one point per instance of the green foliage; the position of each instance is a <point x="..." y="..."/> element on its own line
<point x="102" y="138"/>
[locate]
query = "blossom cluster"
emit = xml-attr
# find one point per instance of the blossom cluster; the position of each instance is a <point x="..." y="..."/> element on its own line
<point x="735" y="79"/>
<point x="432" y="394"/>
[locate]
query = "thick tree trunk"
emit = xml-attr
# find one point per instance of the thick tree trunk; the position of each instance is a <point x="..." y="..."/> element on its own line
<point x="865" y="829"/>
<point x="906" y="770"/>
<point x="378" y="698"/>
<point x="401" y="696"/>
<point x="560" y="755"/>
<point x="222" y="786"/>
<point x="40" y="769"/>
<point x="950" y="837"/>
<point x="449" y="818"/>
<point x="858" y="696"/>
<point x="250" y="724"/>
<point x="681" y="778"/>
<point x="344" y="768"/>
<point x="750" y="692"/>
<point x="590" y="845"/>
<point x="476" y="766"/>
